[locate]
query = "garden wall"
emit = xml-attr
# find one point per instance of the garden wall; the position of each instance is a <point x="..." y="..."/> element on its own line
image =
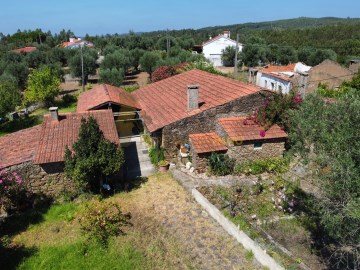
<point x="47" y="179"/>
<point x="203" y="122"/>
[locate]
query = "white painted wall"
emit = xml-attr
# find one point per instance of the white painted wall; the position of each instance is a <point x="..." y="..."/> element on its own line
<point x="273" y="83"/>
<point x="213" y="50"/>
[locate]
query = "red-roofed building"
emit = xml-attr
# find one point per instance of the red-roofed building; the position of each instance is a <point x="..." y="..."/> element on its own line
<point x="124" y="105"/>
<point x="250" y="141"/>
<point x="279" y="78"/>
<point x="55" y="135"/>
<point x="37" y="153"/>
<point x="203" y="145"/>
<point x="25" y="50"/>
<point x="190" y="102"/>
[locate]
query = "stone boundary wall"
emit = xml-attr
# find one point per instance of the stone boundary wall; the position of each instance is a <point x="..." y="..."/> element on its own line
<point x="261" y="256"/>
<point x="48" y="180"/>
<point x="205" y="121"/>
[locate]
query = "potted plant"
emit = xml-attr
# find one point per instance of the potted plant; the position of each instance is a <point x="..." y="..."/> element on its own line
<point x="163" y="165"/>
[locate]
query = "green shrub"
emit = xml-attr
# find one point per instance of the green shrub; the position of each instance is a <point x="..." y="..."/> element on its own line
<point x="221" y="164"/>
<point x="68" y="99"/>
<point x="270" y="165"/>
<point x="102" y="220"/>
<point x="156" y="155"/>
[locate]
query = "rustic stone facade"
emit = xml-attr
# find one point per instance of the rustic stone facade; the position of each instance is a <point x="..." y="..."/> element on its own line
<point x="241" y="151"/>
<point x="47" y="179"/>
<point x="203" y="122"/>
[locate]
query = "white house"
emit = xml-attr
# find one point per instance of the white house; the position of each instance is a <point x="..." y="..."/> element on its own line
<point x="280" y="78"/>
<point x="212" y="49"/>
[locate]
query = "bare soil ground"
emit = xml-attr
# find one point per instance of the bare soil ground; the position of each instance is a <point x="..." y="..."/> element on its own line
<point x="162" y="203"/>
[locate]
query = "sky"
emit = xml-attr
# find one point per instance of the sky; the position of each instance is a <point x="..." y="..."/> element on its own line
<point x="97" y="17"/>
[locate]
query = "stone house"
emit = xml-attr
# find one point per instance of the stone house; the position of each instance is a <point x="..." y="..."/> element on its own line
<point x="212" y="49"/>
<point x="190" y="103"/>
<point x="241" y="138"/>
<point x="328" y="72"/>
<point x="37" y="153"/>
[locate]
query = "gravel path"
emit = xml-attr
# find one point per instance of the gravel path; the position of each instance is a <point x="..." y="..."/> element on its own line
<point x="163" y="200"/>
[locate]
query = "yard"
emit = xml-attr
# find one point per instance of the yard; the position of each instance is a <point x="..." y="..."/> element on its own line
<point x="282" y="228"/>
<point x="170" y="231"/>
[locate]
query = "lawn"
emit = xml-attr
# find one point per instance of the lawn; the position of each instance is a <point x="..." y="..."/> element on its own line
<point x="35" y="118"/>
<point x="50" y="238"/>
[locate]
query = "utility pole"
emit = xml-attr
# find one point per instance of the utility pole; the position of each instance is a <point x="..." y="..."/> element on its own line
<point x="167" y="43"/>
<point x="236" y="55"/>
<point x="82" y="68"/>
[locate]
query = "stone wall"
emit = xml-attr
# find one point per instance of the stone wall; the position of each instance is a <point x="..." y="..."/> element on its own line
<point x="245" y="150"/>
<point x="48" y="179"/>
<point x="200" y="162"/>
<point x="203" y="122"/>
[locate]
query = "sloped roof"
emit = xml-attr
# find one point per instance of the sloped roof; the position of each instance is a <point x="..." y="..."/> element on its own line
<point x="207" y="142"/>
<point x="25" y="50"/>
<point x="287" y="68"/>
<point x="216" y="38"/>
<point x="244" y="129"/>
<point x="165" y="102"/>
<point x="19" y="147"/>
<point x="56" y="135"/>
<point x="102" y="94"/>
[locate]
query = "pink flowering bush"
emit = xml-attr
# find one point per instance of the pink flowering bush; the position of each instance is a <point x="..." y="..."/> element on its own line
<point x="162" y="72"/>
<point x="11" y="189"/>
<point x="276" y="109"/>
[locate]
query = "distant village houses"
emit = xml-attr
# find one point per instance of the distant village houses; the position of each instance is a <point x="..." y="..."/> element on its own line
<point x="304" y="79"/>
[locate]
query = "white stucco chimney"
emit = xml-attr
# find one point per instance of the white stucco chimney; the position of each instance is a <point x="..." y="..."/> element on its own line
<point x="54" y="113"/>
<point x="193" y="97"/>
<point x="226" y="34"/>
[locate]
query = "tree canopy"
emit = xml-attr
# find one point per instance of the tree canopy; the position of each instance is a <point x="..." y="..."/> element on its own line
<point x="92" y="157"/>
<point x="42" y="86"/>
<point x="9" y="94"/>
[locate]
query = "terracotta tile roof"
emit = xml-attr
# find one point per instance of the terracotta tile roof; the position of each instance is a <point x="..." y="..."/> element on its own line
<point x="103" y="94"/>
<point x="244" y="129"/>
<point x="270" y="68"/>
<point x="19" y="147"/>
<point x="215" y="38"/>
<point x="25" y="50"/>
<point x="55" y="135"/>
<point x="165" y="102"/>
<point x="207" y="142"/>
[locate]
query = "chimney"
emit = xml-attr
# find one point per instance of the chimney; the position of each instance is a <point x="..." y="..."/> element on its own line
<point x="54" y="113"/>
<point x="193" y="97"/>
<point x="226" y="34"/>
<point x="71" y="39"/>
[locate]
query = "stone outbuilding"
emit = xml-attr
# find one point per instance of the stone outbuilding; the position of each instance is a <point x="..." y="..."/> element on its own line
<point x="202" y="146"/>
<point x="239" y="137"/>
<point x="37" y="153"/>
<point x="248" y="140"/>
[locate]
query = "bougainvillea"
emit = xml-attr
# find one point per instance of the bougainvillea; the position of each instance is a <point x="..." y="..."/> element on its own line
<point x="275" y="110"/>
<point x="11" y="189"/>
<point x="162" y="72"/>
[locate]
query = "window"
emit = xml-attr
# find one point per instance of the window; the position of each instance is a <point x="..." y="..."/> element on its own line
<point x="258" y="145"/>
<point x="265" y="83"/>
<point x="272" y="86"/>
<point x="280" y="88"/>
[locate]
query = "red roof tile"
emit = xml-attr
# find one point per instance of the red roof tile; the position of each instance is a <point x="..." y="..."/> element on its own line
<point x="165" y="102"/>
<point x="105" y="93"/>
<point x="243" y="129"/>
<point x="19" y="147"/>
<point x="55" y="135"/>
<point x="207" y="142"/>
<point x="270" y="68"/>
<point x="25" y="50"/>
